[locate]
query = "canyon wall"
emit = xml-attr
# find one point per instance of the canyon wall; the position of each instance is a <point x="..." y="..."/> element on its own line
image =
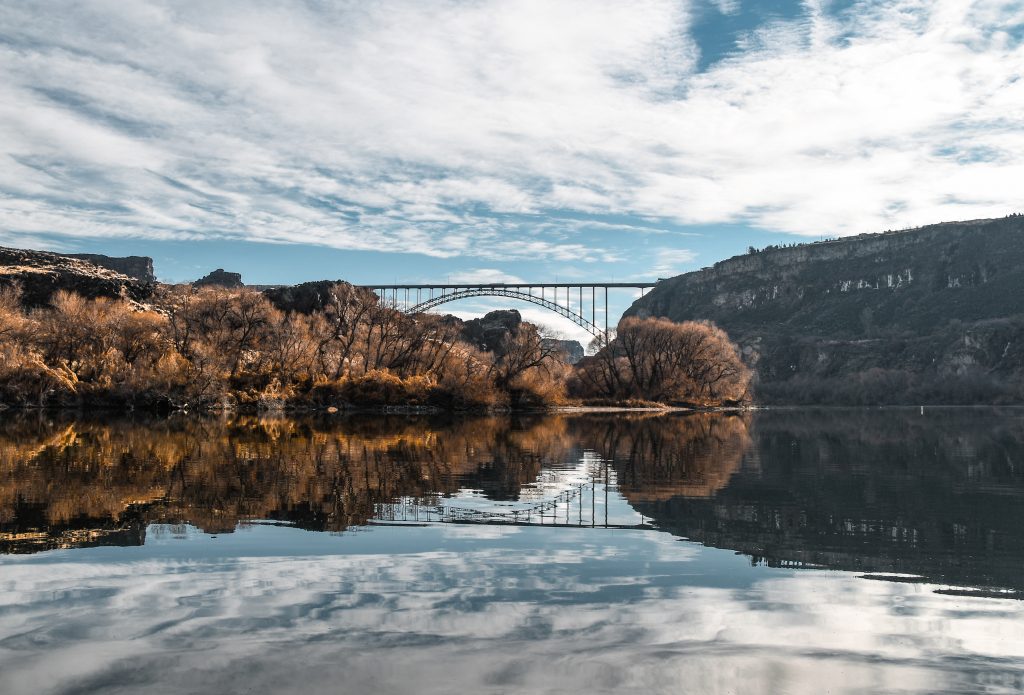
<point x="934" y="314"/>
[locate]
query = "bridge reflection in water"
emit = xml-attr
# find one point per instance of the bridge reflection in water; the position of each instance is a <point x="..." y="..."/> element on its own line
<point x="875" y="491"/>
<point x="557" y="511"/>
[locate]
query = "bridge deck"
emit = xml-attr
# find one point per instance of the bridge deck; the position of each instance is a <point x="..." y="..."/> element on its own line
<point x="508" y="285"/>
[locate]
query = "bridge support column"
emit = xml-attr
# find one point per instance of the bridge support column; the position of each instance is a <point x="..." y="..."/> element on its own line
<point x="606" y="340"/>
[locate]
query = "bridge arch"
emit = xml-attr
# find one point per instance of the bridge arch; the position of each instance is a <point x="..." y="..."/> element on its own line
<point x="570" y="300"/>
<point x="574" y="316"/>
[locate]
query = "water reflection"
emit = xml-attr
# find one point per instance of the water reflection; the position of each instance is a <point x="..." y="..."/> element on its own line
<point x="216" y="590"/>
<point x="940" y="495"/>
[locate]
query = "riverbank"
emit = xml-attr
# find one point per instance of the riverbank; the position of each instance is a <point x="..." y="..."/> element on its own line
<point x="377" y="410"/>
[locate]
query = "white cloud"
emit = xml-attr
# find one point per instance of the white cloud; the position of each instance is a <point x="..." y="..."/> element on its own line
<point x="727" y="6"/>
<point x="484" y="275"/>
<point x="454" y="129"/>
<point x="670" y="262"/>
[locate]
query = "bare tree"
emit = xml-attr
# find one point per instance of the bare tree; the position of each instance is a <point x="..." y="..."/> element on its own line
<point x="659" y="360"/>
<point x="521" y="350"/>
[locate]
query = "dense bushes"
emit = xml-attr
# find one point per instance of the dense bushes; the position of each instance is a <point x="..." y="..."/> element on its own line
<point x="209" y="347"/>
<point x="215" y="347"/>
<point x="691" y="363"/>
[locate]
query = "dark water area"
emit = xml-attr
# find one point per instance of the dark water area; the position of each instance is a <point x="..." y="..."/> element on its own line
<point x="782" y="551"/>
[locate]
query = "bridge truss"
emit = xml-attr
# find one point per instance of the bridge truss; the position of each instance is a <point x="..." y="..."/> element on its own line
<point x="567" y="508"/>
<point x="585" y="304"/>
<point x="540" y="513"/>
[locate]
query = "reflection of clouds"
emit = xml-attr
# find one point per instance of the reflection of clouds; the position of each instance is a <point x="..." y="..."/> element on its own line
<point x="479" y="531"/>
<point x="538" y="610"/>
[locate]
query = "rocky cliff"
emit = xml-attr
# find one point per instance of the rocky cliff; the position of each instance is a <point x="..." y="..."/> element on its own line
<point x="490" y="331"/>
<point x="137" y="267"/>
<point x="572" y="349"/>
<point x="929" y="314"/>
<point x="308" y="297"/>
<point x="220" y="278"/>
<point x="40" y="274"/>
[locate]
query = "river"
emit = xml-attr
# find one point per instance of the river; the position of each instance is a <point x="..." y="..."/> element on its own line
<point x="780" y="551"/>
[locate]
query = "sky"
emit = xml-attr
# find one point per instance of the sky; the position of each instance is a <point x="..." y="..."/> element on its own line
<point x="491" y="140"/>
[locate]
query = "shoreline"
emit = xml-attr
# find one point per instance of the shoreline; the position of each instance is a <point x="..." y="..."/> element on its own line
<point x="491" y="412"/>
<point x="370" y="410"/>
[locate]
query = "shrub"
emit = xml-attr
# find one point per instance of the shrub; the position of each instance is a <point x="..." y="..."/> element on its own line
<point x="655" y="359"/>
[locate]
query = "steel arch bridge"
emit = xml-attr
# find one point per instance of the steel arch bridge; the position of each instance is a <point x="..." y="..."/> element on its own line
<point x="581" y="303"/>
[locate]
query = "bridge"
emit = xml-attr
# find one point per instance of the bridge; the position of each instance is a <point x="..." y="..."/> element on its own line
<point x="577" y="302"/>
<point x="568" y="508"/>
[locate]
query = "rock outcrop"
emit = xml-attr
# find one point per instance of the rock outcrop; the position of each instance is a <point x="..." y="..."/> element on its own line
<point x="40" y="274"/>
<point x="489" y="332"/>
<point x="888" y="311"/>
<point x="220" y="278"/>
<point x="574" y="352"/>
<point x="309" y="297"/>
<point x="137" y="267"/>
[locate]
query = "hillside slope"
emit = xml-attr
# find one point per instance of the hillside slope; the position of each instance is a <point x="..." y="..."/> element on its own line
<point x="934" y="314"/>
<point x="40" y="274"/>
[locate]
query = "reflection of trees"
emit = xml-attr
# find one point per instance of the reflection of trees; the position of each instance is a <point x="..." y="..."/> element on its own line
<point x="659" y="456"/>
<point x="940" y="494"/>
<point x="215" y="473"/>
<point x="328" y="475"/>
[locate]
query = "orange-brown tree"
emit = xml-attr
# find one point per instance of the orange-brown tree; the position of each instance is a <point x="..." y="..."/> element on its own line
<point x="659" y="360"/>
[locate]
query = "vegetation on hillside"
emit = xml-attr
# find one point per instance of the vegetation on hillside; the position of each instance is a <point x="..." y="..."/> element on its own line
<point x="933" y="315"/>
<point x="215" y="347"/>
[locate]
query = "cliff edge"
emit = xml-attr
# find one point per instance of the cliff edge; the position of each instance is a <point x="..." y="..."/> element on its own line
<point x="138" y="267"/>
<point x="934" y="314"/>
<point x="40" y="274"/>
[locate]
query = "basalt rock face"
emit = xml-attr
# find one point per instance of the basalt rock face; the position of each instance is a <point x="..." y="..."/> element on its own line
<point x="574" y="352"/>
<point x="308" y="297"/>
<point x="40" y="274"/>
<point x="137" y="267"/>
<point x="220" y="278"/>
<point x="888" y="312"/>
<point x="489" y="332"/>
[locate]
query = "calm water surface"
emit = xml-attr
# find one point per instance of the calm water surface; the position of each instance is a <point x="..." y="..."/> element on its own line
<point x="780" y="552"/>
